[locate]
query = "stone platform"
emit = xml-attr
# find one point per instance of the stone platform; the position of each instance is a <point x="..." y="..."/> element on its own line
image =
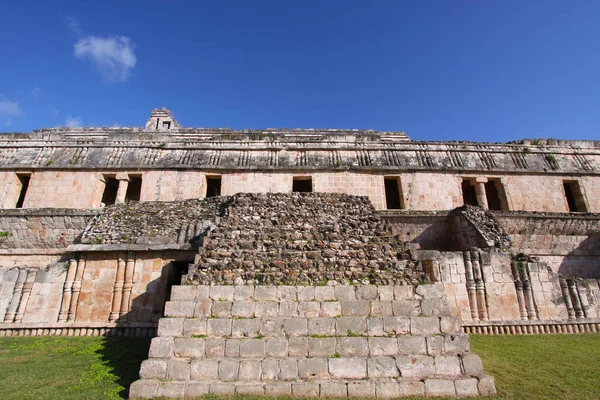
<point x="335" y="341"/>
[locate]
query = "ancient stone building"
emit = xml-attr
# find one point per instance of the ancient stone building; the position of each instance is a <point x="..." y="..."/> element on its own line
<point x="370" y="234"/>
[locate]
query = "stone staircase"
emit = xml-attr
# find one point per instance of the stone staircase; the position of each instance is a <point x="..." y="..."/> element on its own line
<point x="330" y="341"/>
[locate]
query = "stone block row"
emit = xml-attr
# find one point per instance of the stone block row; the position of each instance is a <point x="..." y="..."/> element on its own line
<point x="403" y="387"/>
<point x="316" y="368"/>
<point x="306" y="309"/>
<point x="199" y="348"/>
<point x="297" y="327"/>
<point x="200" y="293"/>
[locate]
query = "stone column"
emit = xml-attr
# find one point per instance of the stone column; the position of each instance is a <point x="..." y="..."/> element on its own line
<point x="567" y="297"/>
<point x="480" y="193"/>
<point x="25" y="296"/>
<point x="470" y="286"/>
<point x="16" y="297"/>
<point x="519" y="288"/>
<point x="76" y="289"/>
<point x="479" y="286"/>
<point x="67" y="291"/>
<point x="574" y="298"/>
<point x="122" y="191"/>
<point x="118" y="290"/>
<point x="128" y="285"/>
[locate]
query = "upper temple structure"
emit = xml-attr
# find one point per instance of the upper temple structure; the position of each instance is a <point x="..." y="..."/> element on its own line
<point x="369" y="251"/>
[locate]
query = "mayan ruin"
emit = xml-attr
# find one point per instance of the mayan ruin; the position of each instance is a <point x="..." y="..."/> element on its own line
<point x="304" y="262"/>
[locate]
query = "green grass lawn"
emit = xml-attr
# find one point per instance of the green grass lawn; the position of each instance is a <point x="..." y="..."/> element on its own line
<point x="525" y="367"/>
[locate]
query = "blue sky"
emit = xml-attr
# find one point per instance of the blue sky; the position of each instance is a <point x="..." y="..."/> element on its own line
<point x="439" y="70"/>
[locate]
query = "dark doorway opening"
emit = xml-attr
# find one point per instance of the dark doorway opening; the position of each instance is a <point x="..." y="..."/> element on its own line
<point x="24" y="181"/>
<point x="110" y="190"/>
<point x="177" y="271"/>
<point x="494" y="192"/>
<point x="302" y="184"/>
<point x="393" y="199"/>
<point x="134" y="189"/>
<point x="574" y="196"/>
<point x="468" y="191"/>
<point x="213" y="186"/>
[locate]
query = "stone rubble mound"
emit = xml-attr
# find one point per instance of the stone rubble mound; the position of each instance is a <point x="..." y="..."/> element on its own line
<point x="487" y="224"/>
<point x="302" y="238"/>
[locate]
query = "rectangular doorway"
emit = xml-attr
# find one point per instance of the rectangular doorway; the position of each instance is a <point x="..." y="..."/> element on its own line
<point x="213" y="186"/>
<point x="302" y="184"/>
<point x="393" y="194"/>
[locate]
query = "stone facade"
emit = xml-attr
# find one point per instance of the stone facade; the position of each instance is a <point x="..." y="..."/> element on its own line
<point x="98" y="226"/>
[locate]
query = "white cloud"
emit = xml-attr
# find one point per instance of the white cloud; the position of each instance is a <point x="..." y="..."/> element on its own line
<point x="9" y="108"/>
<point x="112" y="56"/>
<point x="74" y="25"/>
<point x="74" y="122"/>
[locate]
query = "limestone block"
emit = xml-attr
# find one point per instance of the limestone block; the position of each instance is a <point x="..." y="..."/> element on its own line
<point x="255" y="389"/>
<point x="412" y="345"/>
<point x="195" y="390"/>
<point x="405" y="292"/>
<point x="214" y="347"/>
<point x="242" y="309"/>
<point x="252" y="348"/>
<point x="295" y="327"/>
<point x="375" y="327"/>
<point x="439" y="387"/>
<point x="352" y="346"/>
<point x="161" y="347"/>
<point x="313" y="368"/>
<point x="435" y="345"/>
<point x="266" y="309"/>
<point x="221" y="293"/>
<point x="450" y="325"/>
<point x="466" y="387"/>
<point x="203" y="308"/>
<point x="153" y="369"/>
<point x="435" y="307"/>
<point x="305" y="389"/>
<point x="348" y="368"/>
<point x="287" y="293"/>
<point x="265" y="293"/>
<point x="170" y="327"/>
<point x="381" y="309"/>
<point x="324" y="293"/>
<point x="232" y="348"/>
<point x="321" y="326"/>
<point x="321" y="347"/>
<point x="221" y="309"/>
<point x="396" y="325"/>
<point x="249" y="370"/>
<point x="306" y="293"/>
<point x="204" y="370"/>
<point x="367" y="292"/>
<point x="270" y="369"/>
<point x="218" y="327"/>
<point x="221" y="389"/>
<point x="406" y="308"/>
<point x="330" y="309"/>
<point x="411" y="387"/>
<point x="228" y="370"/>
<point x="288" y="309"/>
<point x="383" y="346"/>
<point x="272" y="327"/>
<point x="382" y="367"/>
<point x="298" y="347"/>
<point x="243" y="293"/>
<point x="276" y="347"/>
<point x="486" y="386"/>
<point x="278" y="389"/>
<point x="387" y="390"/>
<point x="178" y="370"/>
<point x="346" y="325"/>
<point x="245" y="327"/>
<point x="386" y="293"/>
<point x="194" y="327"/>
<point x="415" y="366"/>
<point x="424" y="325"/>
<point x="361" y="389"/>
<point x="334" y="389"/>
<point x="430" y="291"/>
<point x="308" y="309"/>
<point x="345" y="292"/>
<point x="447" y="365"/>
<point x="189" y="348"/>
<point x="143" y="389"/>
<point x="456" y="344"/>
<point x="183" y="293"/>
<point x="288" y="368"/>
<point x="355" y="308"/>
<point x="472" y="364"/>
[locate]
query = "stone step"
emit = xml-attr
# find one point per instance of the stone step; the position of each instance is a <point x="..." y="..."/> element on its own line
<point x="295" y="327"/>
<point x="199" y="293"/>
<point x="376" y="388"/>
<point x="198" y="348"/>
<point x="229" y="369"/>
